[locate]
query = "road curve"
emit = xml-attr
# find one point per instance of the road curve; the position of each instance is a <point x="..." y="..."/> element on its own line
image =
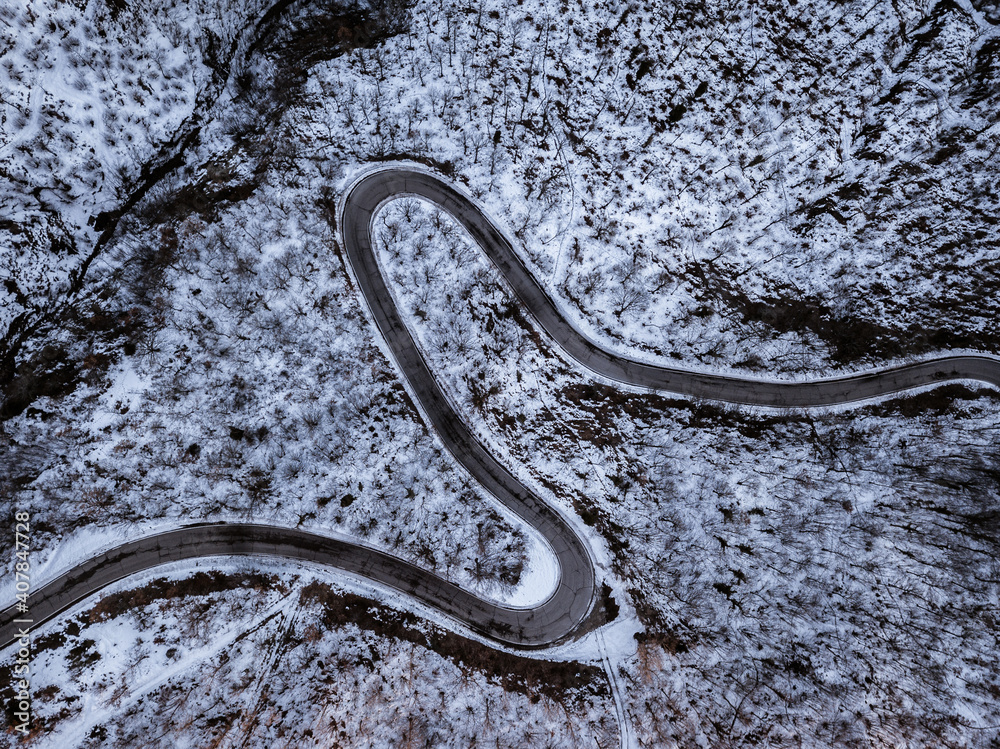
<point x="376" y="188"/>
<point x="513" y="626"/>
<point x="563" y="614"/>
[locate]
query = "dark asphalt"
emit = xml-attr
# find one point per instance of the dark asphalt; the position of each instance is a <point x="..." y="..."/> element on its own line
<point x="509" y="625"/>
<point x="562" y="615"/>
<point x="383" y="185"/>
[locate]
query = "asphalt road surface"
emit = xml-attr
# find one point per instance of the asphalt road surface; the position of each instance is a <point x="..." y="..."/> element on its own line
<point x="565" y="612"/>
<point x="384" y="185"/>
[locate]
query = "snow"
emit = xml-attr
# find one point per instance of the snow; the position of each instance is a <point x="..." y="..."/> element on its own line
<point x="124" y="395"/>
<point x="539" y="577"/>
<point x="135" y="671"/>
<point x="826" y="205"/>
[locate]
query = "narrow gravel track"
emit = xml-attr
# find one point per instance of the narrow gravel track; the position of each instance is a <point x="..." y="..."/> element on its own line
<point x="565" y="613"/>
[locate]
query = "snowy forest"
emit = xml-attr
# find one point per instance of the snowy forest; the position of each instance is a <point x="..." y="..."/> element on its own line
<point x="785" y="190"/>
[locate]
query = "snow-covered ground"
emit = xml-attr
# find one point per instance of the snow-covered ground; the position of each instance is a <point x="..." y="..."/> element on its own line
<point x="783" y="189"/>
<point x="93" y="97"/>
<point x="239" y="645"/>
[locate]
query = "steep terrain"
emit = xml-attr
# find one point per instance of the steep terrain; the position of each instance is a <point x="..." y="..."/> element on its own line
<point x="790" y="189"/>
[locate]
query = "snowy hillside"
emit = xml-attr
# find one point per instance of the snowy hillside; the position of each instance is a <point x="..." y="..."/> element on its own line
<point x="788" y="190"/>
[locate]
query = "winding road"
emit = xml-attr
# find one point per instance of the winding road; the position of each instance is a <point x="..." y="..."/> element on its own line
<point x="565" y="613"/>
